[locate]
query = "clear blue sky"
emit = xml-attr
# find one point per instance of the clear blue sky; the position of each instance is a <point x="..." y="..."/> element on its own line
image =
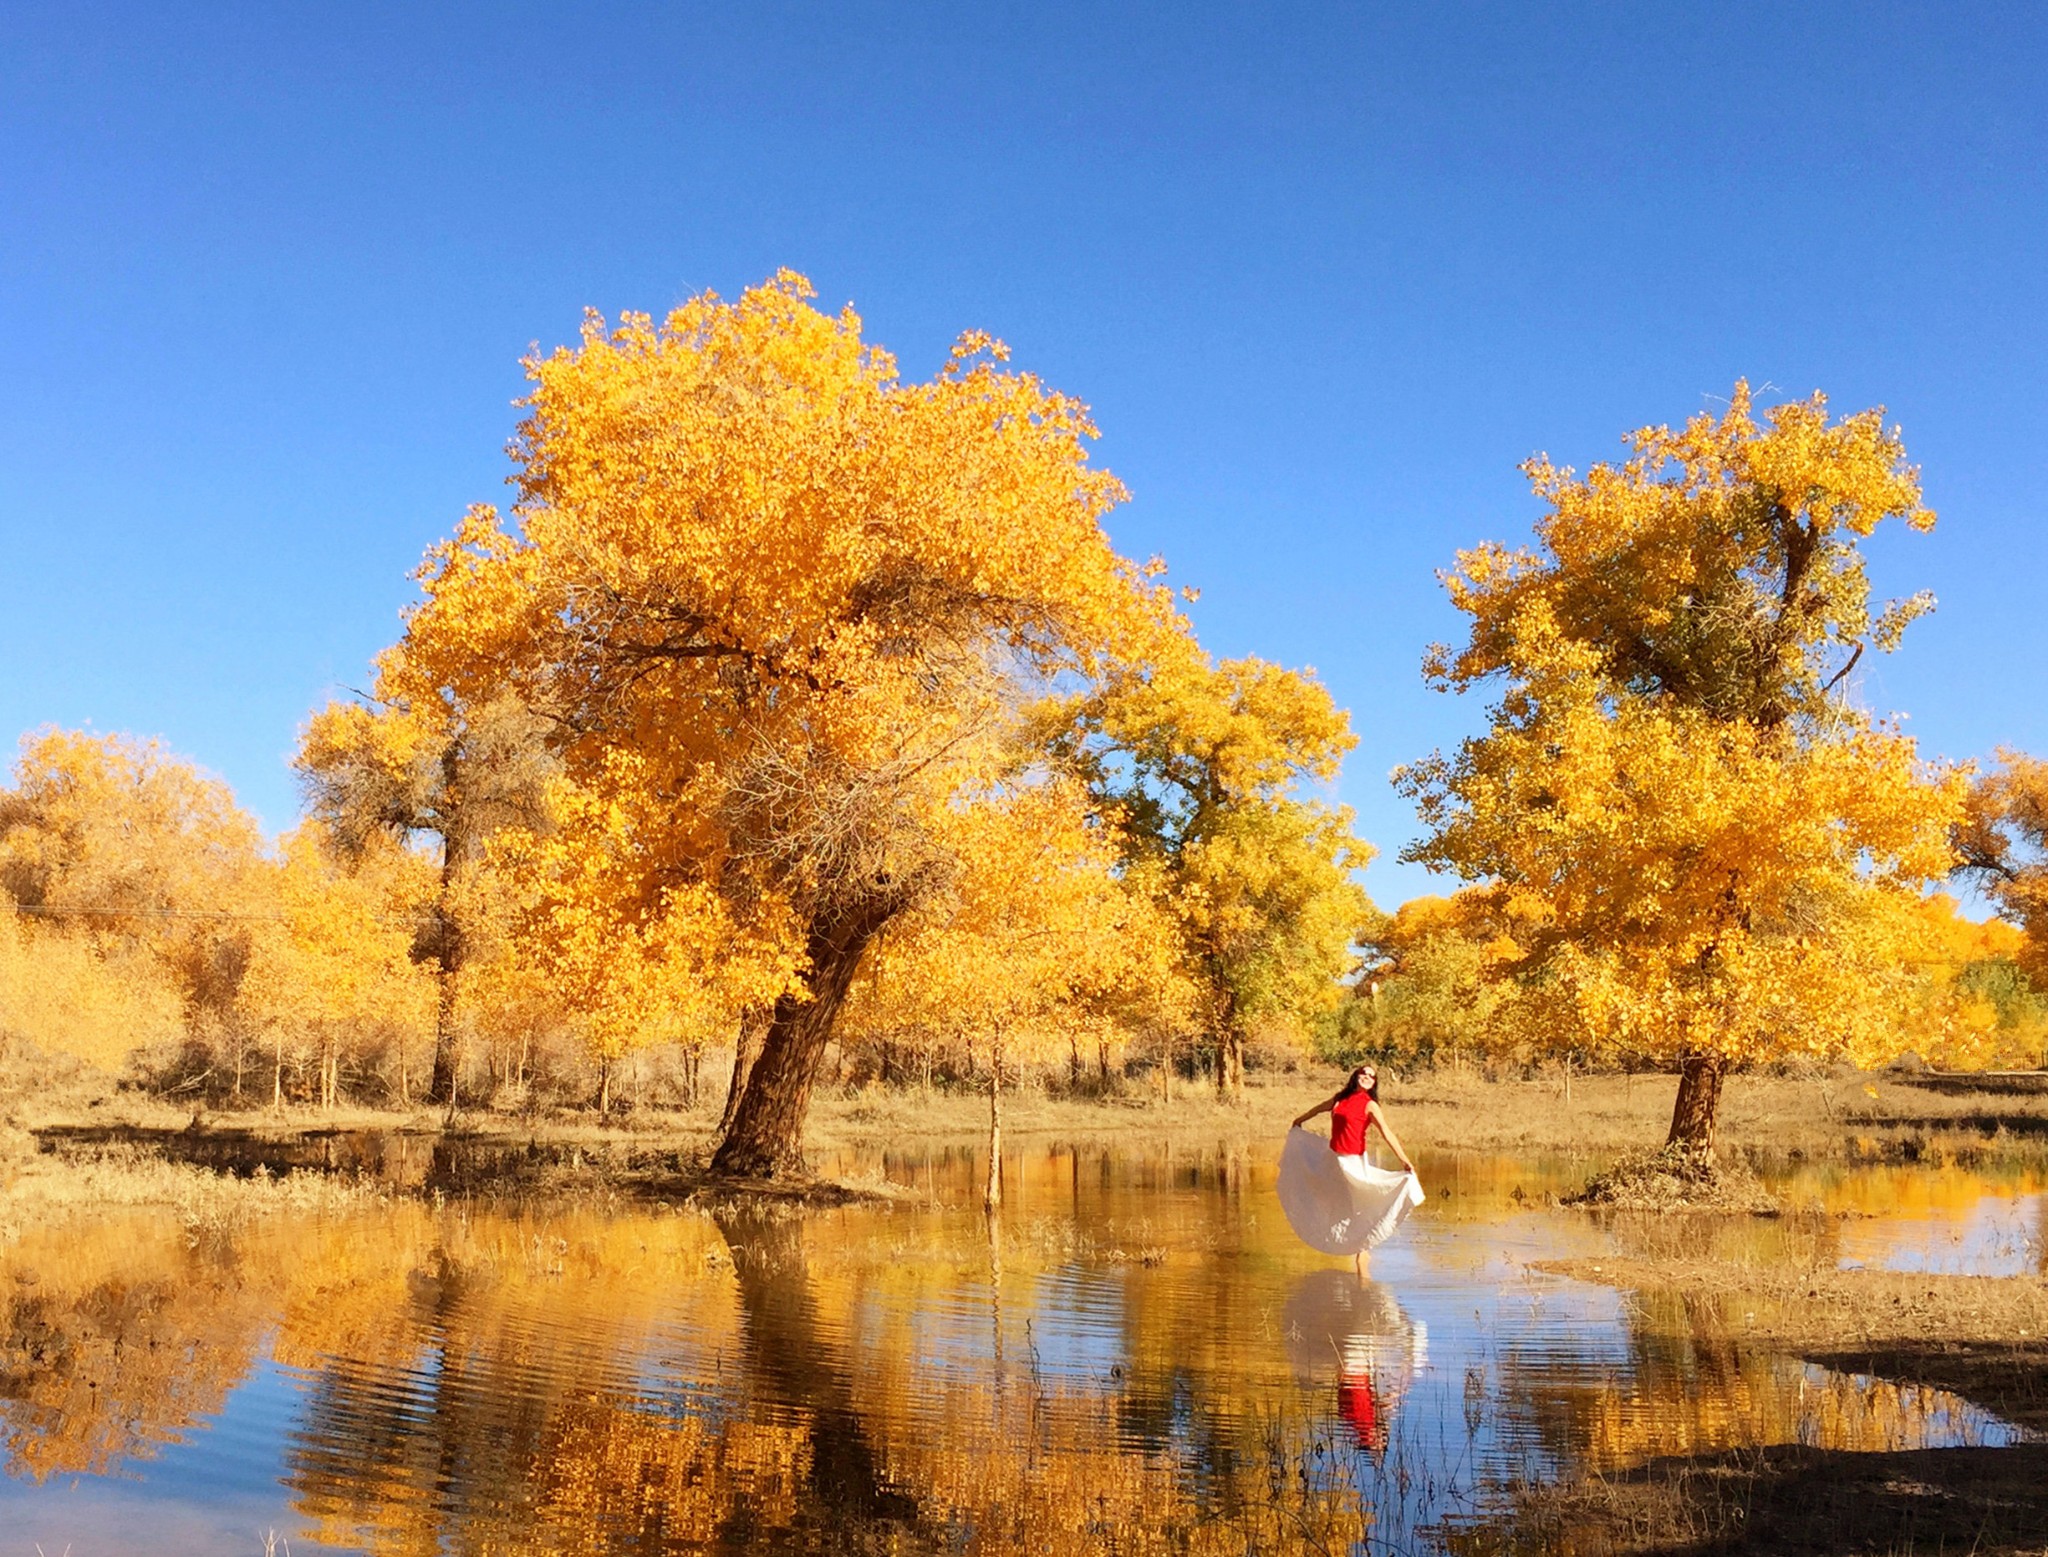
<point x="1326" y="275"/>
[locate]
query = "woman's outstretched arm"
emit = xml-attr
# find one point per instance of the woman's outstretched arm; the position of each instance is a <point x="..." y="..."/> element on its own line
<point x="1321" y="1108"/>
<point x="1379" y="1118"/>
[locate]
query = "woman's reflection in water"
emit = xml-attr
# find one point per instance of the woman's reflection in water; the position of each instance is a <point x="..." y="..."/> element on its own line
<point x="1339" y="1327"/>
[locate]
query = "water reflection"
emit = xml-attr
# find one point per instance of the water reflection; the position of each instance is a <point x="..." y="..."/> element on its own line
<point x="1139" y="1355"/>
<point x="1356" y="1334"/>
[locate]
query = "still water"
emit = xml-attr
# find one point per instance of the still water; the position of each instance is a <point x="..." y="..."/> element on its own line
<point x="1140" y="1357"/>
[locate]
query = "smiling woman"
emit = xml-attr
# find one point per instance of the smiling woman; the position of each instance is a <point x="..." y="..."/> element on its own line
<point x="1335" y="1200"/>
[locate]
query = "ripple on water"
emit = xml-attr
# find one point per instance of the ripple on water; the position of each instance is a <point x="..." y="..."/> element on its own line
<point x="1139" y="1353"/>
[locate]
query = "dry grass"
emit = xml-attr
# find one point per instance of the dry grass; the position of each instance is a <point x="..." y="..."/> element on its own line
<point x="45" y="1188"/>
<point x="1877" y="1117"/>
<point x="1817" y="1308"/>
<point x="1675" y="1178"/>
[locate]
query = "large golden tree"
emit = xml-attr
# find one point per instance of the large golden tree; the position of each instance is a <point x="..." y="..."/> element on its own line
<point x="804" y="598"/>
<point x="1717" y="853"/>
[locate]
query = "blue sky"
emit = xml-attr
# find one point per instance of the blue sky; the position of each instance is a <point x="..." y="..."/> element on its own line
<point x="1326" y="275"/>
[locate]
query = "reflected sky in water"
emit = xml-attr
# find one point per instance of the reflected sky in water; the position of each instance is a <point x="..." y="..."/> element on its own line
<point x="1140" y="1357"/>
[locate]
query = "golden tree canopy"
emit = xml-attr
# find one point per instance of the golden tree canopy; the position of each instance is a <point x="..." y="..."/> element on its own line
<point x="1718" y="566"/>
<point x="750" y="553"/>
<point x="2003" y="842"/>
<point x="804" y="598"/>
<point x="1714" y="856"/>
<point x="1208" y="771"/>
<point x="116" y="839"/>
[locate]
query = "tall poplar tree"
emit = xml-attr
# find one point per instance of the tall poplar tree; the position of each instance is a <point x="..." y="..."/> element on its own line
<point x="1717" y="853"/>
<point x="1209" y="771"/>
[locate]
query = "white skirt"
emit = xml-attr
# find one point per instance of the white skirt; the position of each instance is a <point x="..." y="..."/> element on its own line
<point x="1341" y="1205"/>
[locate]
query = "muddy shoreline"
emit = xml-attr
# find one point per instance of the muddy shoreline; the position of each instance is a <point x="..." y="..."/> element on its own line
<point x="1984" y="1339"/>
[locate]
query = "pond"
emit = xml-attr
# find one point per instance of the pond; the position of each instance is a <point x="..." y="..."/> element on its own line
<point x="1139" y="1357"/>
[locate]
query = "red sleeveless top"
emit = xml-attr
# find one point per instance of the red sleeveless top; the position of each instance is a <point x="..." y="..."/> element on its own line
<point x="1348" y="1119"/>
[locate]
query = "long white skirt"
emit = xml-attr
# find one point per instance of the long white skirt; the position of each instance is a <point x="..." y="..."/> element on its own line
<point x="1341" y="1205"/>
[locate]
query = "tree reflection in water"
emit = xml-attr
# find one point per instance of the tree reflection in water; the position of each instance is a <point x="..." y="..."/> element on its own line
<point x="1138" y="1361"/>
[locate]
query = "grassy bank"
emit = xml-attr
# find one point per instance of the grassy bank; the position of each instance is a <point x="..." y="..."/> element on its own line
<point x="1768" y="1119"/>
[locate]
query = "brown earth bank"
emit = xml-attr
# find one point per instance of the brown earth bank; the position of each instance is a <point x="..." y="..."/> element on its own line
<point x="1768" y="1120"/>
<point x="93" y="1145"/>
<point x="1984" y="1339"/>
<point x="1789" y="1501"/>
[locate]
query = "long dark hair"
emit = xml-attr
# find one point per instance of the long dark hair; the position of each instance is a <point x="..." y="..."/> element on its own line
<point x="1352" y="1085"/>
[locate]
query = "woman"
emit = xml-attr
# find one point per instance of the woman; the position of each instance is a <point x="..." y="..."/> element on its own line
<point x="1370" y="1202"/>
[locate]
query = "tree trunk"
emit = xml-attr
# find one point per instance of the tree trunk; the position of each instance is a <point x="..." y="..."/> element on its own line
<point x="447" y="951"/>
<point x="441" y="1089"/>
<point x="765" y="1139"/>
<point x="1693" y="1116"/>
<point x="604" y="1087"/>
<point x="1230" y="1062"/>
<point x="277" y="1075"/>
<point x="746" y="1044"/>
<point x="992" y="1196"/>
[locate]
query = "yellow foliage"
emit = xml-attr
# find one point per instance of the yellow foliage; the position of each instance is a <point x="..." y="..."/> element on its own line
<point x="1716" y="567"/>
<point x="1203" y="764"/>
<point x="123" y="855"/>
<point x="2003" y="842"/>
<point x="66" y="995"/>
<point x="1428" y="988"/>
<point x="1035" y="942"/>
<point x="334" y="971"/>
<point x="1974" y="1008"/>
<point x="637" y="962"/>
<point x="1715" y="857"/>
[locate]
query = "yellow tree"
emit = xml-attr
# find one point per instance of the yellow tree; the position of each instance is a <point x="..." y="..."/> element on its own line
<point x="423" y="764"/>
<point x="334" y="971"/>
<point x="796" y="589"/>
<point x="2003" y="845"/>
<point x="81" y="996"/>
<point x="1425" y="989"/>
<point x="117" y="843"/>
<point x="637" y="959"/>
<point x="1034" y="938"/>
<point x="1975" y="1007"/>
<point x="1204" y="766"/>
<point x="1718" y="853"/>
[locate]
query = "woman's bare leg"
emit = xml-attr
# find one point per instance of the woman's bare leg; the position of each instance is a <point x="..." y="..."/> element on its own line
<point x="1358" y="1263"/>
